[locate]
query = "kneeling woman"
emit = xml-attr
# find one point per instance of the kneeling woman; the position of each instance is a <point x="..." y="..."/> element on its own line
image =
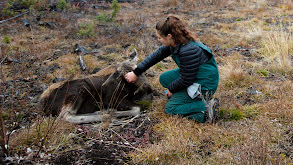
<point x="197" y="70"/>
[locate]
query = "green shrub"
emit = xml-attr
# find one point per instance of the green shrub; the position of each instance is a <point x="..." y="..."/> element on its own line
<point x="38" y="5"/>
<point x="237" y="114"/>
<point x="6" y="39"/>
<point x="238" y="19"/>
<point x="62" y="5"/>
<point x="231" y="114"/>
<point x="104" y="17"/>
<point x="116" y="8"/>
<point x="263" y="72"/>
<point x="7" y="11"/>
<point x="86" y="30"/>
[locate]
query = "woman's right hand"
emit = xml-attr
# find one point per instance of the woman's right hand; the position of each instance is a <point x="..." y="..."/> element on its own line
<point x="130" y="77"/>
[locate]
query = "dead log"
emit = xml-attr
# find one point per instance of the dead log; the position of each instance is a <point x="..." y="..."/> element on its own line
<point x="14" y="17"/>
<point x="78" y="48"/>
<point x="25" y="23"/>
<point x="8" y="60"/>
<point x="81" y="63"/>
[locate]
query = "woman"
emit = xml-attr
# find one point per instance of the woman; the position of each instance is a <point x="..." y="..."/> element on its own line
<point x="197" y="71"/>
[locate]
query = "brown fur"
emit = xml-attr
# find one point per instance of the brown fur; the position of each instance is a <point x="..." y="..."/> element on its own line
<point x="83" y="100"/>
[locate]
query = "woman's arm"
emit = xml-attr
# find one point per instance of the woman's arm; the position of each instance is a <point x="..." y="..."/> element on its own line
<point x="152" y="59"/>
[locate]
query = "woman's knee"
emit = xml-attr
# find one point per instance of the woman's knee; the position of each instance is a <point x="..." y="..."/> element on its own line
<point x="168" y="77"/>
<point x="170" y="110"/>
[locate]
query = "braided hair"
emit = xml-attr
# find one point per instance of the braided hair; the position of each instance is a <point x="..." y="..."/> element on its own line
<point x="172" y="25"/>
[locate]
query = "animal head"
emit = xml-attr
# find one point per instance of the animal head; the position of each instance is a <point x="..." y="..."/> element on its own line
<point x="127" y="66"/>
<point x="124" y="67"/>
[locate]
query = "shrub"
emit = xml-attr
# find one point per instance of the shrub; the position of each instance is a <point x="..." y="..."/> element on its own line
<point x="86" y="30"/>
<point x="238" y="19"/>
<point x="103" y="18"/>
<point x="115" y="7"/>
<point x="106" y="18"/>
<point x="7" y="11"/>
<point x="6" y="39"/>
<point x="231" y="114"/>
<point x="263" y="72"/>
<point x="38" y="5"/>
<point x="62" y="5"/>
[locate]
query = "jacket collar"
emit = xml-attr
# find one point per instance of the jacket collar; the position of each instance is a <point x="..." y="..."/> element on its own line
<point x="176" y="49"/>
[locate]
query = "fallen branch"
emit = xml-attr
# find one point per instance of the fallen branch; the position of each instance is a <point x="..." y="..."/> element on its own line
<point x="14" y="17"/>
<point x="84" y="51"/>
<point x="8" y="60"/>
<point x="81" y="63"/>
<point x="118" y="28"/>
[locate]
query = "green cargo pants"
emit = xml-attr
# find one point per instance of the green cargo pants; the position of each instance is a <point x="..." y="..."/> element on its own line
<point x="180" y="103"/>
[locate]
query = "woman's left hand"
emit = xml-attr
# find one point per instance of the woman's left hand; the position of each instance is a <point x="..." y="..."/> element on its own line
<point x="130" y="77"/>
<point x="169" y="94"/>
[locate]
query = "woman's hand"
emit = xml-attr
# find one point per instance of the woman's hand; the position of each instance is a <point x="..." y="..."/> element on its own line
<point x="169" y="94"/>
<point x="130" y="77"/>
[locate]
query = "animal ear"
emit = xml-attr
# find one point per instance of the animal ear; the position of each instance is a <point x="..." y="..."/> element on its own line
<point x="133" y="56"/>
<point x="110" y="79"/>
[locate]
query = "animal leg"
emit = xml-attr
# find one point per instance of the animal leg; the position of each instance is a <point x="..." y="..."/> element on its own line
<point x="70" y="109"/>
<point x="99" y="116"/>
<point x="87" y="118"/>
<point x="133" y="112"/>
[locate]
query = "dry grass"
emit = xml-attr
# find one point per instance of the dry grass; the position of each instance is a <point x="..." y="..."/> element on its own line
<point x="280" y="106"/>
<point x="258" y="137"/>
<point x="44" y="133"/>
<point x="186" y="142"/>
<point x="253" y="129"/>
<point x="277" y="50"/>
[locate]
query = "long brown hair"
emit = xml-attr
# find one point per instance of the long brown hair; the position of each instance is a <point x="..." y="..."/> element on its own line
<point x="172" y="25"/>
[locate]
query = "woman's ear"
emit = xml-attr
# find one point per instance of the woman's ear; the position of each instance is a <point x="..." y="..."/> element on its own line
<point x="169" y="36"/>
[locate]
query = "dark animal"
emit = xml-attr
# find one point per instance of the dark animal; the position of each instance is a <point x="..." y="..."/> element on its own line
<point x="98" y="96"/>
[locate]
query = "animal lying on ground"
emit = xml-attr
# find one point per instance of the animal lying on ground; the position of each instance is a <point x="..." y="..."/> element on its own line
<point x="98" y="96"/>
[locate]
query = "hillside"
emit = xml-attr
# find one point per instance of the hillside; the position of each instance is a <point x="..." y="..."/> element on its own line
<point x="252" y="41"/>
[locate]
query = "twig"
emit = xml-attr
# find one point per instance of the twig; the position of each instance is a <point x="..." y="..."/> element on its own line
<point x="123" y="123"/>
<point x="14" y="17"/>
<point x="118" y="28"/>
<point x="125" y="140"/>
<point x="142" y="123"/>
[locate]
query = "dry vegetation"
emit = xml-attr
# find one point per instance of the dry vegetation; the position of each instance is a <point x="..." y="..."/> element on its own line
<point x="253" y="44"/>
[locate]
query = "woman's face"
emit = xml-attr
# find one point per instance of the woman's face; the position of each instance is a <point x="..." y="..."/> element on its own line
<point x="165" y="40"/>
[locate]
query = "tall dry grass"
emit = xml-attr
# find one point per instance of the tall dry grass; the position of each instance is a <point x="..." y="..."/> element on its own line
<point x="277" y="50"/>
<point x="44" y="136"/>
